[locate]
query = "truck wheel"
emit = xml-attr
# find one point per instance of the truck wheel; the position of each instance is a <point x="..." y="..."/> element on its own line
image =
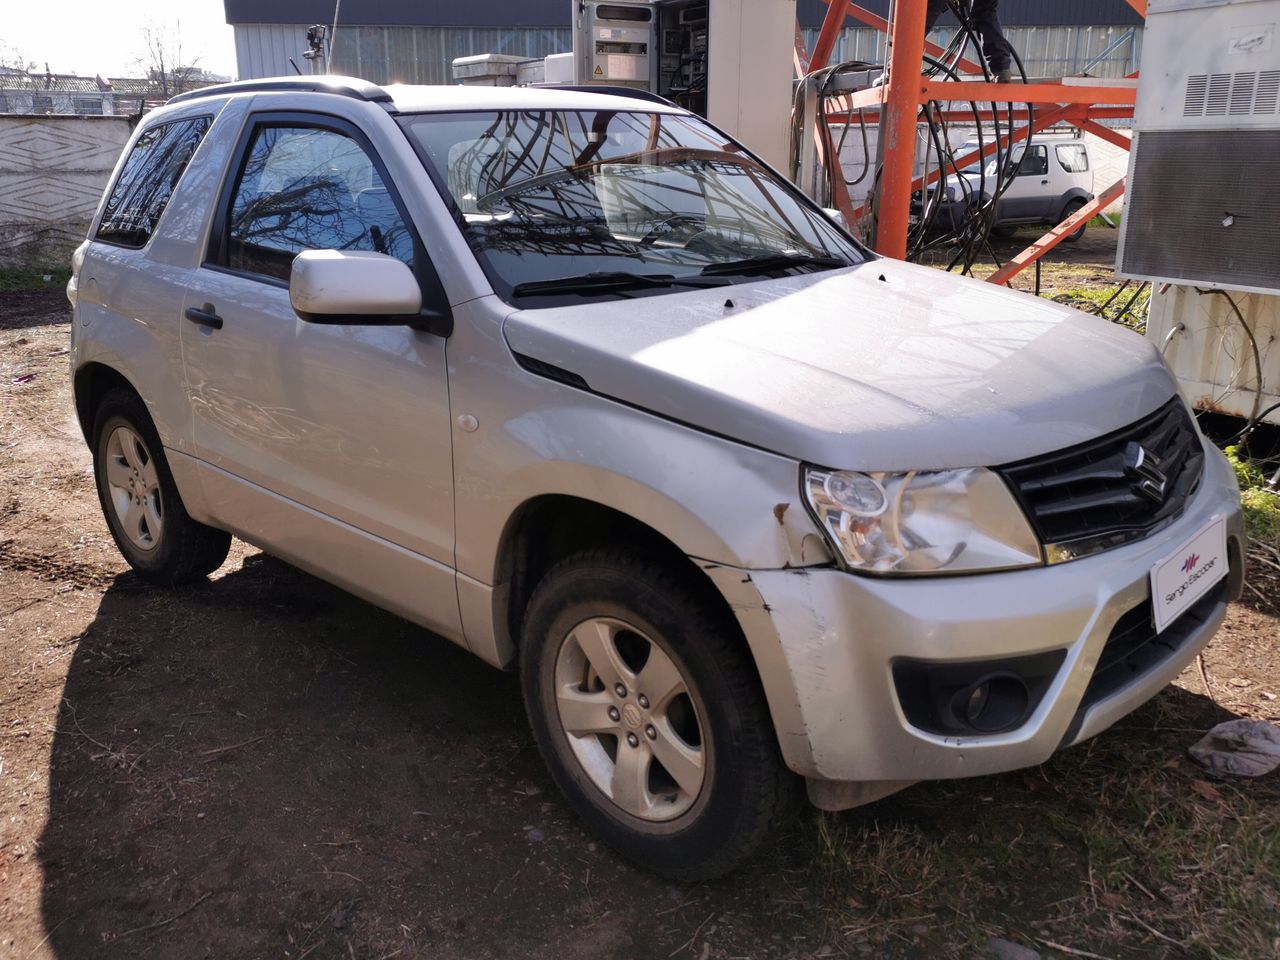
<point x="1068" y="211"/>
<point x="140" y="501"/>
<point x="650" y="716"/>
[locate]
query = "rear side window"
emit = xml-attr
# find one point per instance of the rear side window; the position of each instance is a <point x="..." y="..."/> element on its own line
<point x="146" y="183"/>
<point x="1073" y="157"/>
<point x="308" y="188"/>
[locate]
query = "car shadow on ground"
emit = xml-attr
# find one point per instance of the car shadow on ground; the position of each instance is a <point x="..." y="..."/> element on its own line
<point x="283" y="769"/>
<point x="263" y="765"/>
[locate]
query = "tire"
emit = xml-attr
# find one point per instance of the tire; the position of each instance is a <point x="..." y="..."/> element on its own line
<point x="601" y="617"/>
<point x="140" y="501"/>
<point x="1071" y="207"/>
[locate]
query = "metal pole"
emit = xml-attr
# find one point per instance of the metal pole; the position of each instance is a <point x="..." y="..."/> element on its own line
<point x="902" y="104"/>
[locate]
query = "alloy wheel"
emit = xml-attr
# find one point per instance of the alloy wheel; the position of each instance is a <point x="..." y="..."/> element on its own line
<point x="133" y="488"/>
<point x="631" y="719"/>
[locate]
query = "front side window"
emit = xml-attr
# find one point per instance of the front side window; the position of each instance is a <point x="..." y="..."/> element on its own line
<point x="1035" y="162"/>
<point x="147" y="180"/>
<point x="548" y="196"/>
<point x="1073" y="157"/>
<point x="307" y="188"/>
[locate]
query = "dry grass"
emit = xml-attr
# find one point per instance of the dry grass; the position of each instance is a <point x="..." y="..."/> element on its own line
<point x="1101" y="851"/>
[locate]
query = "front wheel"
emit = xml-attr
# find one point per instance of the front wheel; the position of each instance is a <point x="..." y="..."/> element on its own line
<point x="650" y="716"/>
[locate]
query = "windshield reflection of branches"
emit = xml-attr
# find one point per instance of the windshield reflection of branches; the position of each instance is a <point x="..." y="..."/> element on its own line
<point x="618" y="209"/>
<point x="315" y="190"/>
<point x="553" y="193"/>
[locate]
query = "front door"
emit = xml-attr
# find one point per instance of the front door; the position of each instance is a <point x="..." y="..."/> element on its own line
<point x="1027" y="196"/>
<point x="331" y="442"/>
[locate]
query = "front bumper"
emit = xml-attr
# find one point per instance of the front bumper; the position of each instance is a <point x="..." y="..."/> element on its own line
<point x="825" y="642"/>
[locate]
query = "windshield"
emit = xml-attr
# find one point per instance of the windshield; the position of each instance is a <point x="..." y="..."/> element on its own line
<point x="1013" y="158"/>
<point x="549" y="196"/>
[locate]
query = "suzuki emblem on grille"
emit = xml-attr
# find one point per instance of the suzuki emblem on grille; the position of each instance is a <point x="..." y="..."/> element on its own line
<point x="1144" y="467"/>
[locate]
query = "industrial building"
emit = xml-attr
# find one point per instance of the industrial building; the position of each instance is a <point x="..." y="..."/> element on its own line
<point x="415" y="42"/>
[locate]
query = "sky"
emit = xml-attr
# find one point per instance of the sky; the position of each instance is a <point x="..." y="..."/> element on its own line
<point x="88" y="37"/>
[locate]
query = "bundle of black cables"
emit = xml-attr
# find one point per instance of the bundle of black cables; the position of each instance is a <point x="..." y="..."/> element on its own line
<point x="955" y="215"/>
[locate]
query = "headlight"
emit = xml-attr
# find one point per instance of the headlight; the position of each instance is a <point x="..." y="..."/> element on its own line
<point x="949" y="521"/>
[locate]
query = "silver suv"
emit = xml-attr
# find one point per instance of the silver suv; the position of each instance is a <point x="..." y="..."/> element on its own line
<point x="577" y="382"/>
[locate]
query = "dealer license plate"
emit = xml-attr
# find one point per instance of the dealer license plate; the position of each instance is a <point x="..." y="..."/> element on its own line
<point x="1188" y="573"/>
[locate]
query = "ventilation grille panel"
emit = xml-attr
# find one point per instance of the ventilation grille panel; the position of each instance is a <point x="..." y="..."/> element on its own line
<point x="1246" y="94"/>
<point x="1204" y="207"/>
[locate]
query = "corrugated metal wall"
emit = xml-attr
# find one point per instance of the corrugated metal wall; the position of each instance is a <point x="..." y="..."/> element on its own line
<point x="556" y="13"/>
<point x="264" y="49"/>
<point x="389" y="54"/>
<point x="424" y="54"/>
<point x="1039" y="12"/>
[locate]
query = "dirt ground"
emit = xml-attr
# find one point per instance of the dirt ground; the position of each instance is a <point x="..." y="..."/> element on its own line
<point x="263" y="766"/>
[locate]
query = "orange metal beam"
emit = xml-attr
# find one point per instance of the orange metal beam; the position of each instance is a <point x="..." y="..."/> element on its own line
<point x="1024" y="93"/>
<point x="898" y="126"/>
<point x="825" y="45"/>
<point x="1106" y="133"/>
<point x="1057" y="234"/>
<point x="800" y="59"/>
<point x="837" y="113"/>
<point x="870" y="97"/>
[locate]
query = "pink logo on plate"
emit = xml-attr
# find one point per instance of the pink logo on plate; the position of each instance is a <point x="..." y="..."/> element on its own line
<point x="1191" y="563"/>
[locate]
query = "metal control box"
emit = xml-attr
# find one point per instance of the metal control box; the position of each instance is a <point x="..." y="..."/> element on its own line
<point x="1203" y="205"/>
<point x="613" y="43"/>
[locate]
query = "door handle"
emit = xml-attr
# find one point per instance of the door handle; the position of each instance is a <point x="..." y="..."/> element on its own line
<point x="205" y="316"/>
<point x="1044" y="183"/>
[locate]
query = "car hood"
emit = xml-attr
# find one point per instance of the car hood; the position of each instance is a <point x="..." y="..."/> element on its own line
<point x="881" y="366"/>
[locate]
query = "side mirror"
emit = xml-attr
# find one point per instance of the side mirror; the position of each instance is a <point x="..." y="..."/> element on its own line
<point x="836" y="217"/>
<point x="353" y="286"/>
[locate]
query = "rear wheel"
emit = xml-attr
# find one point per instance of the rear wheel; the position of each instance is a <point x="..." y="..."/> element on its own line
<point x="140" y="500"/>
<point x="649" y="715"/>
<point x="1068" y="211"/>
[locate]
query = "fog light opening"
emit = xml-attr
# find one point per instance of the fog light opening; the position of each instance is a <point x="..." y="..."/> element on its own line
<point x="996" y="702"/>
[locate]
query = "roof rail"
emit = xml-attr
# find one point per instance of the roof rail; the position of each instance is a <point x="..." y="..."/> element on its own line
<point x="611" y="91"/>
<point x="342" y="86"/>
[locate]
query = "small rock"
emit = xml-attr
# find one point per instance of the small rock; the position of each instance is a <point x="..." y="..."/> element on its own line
<point x="999" y="949"/>
<point x="535" y="835"/>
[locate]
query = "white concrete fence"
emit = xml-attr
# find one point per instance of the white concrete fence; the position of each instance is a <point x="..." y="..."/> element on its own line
<point x="53" y="170"/>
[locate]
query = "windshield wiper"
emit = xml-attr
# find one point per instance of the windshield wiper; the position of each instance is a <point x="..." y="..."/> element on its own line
<point x="770" y="263"/>
<point x="605" y="281"/>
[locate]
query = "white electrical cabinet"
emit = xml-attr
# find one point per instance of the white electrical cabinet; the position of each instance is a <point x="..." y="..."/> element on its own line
<point x="730" y="61"/>
<point x="727" y="60"/>
<point x="1202" y="210"/>
<point x="1202" y="201"/>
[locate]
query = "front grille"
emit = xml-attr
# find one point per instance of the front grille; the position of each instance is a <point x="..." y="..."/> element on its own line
<point x="1134" y="649"/>
<point x="1090" y="497"/>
